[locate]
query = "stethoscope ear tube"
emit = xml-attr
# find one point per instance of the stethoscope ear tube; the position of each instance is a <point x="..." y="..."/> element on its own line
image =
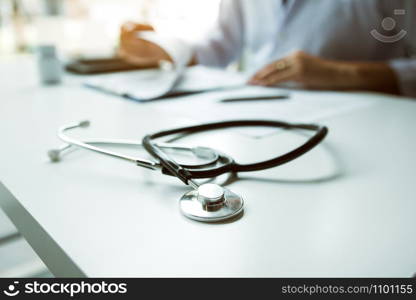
<point x="321" y="132"/>
<point x="170" y="167"/>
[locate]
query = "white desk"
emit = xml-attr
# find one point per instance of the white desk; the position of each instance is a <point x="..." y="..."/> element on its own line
<point x="94" y="216"/>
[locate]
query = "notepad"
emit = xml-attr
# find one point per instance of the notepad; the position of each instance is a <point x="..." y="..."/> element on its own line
<point x="151" y="84"/>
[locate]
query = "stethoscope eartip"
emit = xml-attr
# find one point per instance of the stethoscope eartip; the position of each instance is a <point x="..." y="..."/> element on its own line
<point x="54" y="155"/>
<point x="84" y="123"/>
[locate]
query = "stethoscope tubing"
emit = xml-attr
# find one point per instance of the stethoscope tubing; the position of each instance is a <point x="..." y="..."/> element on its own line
<point x="221" y="164"/>
<point x="170" y="167"/>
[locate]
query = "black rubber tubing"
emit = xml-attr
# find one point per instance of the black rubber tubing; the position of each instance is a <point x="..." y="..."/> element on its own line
<point x="172" y="168"/>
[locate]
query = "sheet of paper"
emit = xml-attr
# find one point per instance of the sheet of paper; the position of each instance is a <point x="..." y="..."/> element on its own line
<point x="151" y="84"/>
<point x="201" y="78"/>
<point x="302" y="106"/>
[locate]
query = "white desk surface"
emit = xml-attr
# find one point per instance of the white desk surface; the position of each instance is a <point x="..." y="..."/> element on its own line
<point x="348" y="208"/>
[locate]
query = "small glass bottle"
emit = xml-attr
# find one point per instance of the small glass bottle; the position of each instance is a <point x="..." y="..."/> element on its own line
<point x="50" y="69"/>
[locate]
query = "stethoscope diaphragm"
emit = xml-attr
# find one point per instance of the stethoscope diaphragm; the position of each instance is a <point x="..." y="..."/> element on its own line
<point x="211" y="203"/>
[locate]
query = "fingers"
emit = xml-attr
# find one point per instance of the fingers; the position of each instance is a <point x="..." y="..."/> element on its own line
<point x="143" y="48"/>
<point x="274" y="73"/>
<point x="263" y="73"/>
<point x="289" y="68"/>
<point x="130" y="27"/>
<point x="135" y="50"/>
<point x="273" y="70"/>
<point x="129" y="30"/>
<point x="279" y="77"/>
<point x="141" y="52"/>
<point x="136" y="60"/>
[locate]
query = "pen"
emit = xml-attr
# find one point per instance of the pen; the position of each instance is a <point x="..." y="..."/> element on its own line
<point x="255" y="98"/>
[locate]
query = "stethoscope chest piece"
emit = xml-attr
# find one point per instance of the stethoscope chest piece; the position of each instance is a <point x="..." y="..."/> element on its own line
<point x="211" y="203"/>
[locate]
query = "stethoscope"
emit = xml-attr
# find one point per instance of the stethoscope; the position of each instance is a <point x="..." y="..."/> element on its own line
<point x="207" y="202"/>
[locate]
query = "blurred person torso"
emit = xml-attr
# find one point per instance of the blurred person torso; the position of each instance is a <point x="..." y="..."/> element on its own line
<point x="334" y="29"/>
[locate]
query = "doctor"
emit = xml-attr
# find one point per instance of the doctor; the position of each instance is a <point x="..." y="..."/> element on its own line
<point x="319" y="44"/>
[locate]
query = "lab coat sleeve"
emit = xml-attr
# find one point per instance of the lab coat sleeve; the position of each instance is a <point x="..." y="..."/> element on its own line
<point x="224" y="43"/>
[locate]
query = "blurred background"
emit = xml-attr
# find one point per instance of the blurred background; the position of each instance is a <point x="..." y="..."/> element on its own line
<point x="82" y="29"/>
<point x="68" y="24"/>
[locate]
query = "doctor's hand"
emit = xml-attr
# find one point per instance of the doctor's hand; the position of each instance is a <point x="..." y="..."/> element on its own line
<point x="138" y="51"/>
<point x="313" y="72"/>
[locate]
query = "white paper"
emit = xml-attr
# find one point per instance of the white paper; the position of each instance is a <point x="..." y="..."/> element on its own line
<point x="153" y="83"/>
<point x="302" y="106"/>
